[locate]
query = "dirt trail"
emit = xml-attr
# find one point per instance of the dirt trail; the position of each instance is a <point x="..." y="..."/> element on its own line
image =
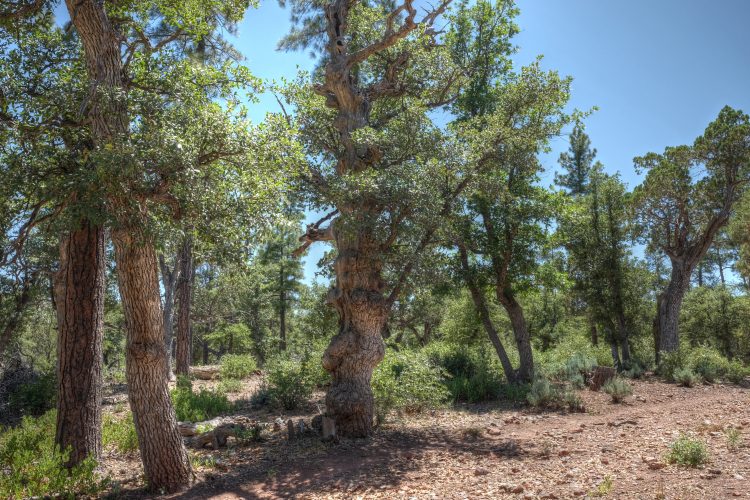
<point x="489" y="451"/>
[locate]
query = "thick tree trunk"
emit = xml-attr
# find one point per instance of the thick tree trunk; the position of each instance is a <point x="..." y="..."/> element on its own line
<point x="358" y="347"/>
<point x="615" y="355"/>
<point x="523" y="340"/>
<point x="168" y="281"/>
<point x="79" y="290"/>
<point x="184" y="301"/>
<point x="165" y="460"/>
<point x="670" y="302"/>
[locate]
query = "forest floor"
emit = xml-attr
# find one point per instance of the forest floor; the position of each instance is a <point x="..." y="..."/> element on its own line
<point x="491" y="451"/>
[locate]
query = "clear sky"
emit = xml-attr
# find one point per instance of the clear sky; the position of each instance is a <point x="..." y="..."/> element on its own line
<point x="658" y="70"/>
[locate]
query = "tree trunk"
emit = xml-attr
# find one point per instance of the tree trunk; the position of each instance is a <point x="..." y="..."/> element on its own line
<point x="521" y="333"/>
<point x="79" y="290"/>
<point x="481" y="305"/>
<point x="168" y="280"/>
<point x="184" y="300"/>
<point x="615" y="355"/>
<point x="282" y="318"/>
<point x="669" y="304"/>
<point x="358" y="347"/>
<point x="165" y="460"/>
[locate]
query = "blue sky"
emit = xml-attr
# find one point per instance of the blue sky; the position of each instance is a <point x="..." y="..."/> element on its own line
<point x="658" y="70"/>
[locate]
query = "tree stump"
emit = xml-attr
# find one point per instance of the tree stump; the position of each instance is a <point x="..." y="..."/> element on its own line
<point x="329" y="429"/>
<point x="600" y="377"/>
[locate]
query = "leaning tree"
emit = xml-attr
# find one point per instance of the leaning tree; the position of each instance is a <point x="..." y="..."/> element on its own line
<point x="686" y="198"/>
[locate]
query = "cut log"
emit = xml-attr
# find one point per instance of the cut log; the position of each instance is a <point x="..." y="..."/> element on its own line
<point x="217" y="437"/>
<point x="329" y="429"/>
<point x="600" y="377"/>
<point x="205" y="372"/>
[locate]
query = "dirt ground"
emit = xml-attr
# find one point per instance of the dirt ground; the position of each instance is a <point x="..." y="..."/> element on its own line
<point x="491" y="451"/>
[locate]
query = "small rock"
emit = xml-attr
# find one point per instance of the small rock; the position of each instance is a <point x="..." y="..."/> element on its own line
<point x="278" y="424"/>
<point x="563" y="453"/>
<point x="739" y="476"/>
<point x="605" y="461"/>
<point x="656" y="465"/>
<point x="481" y="471"/>
<point x="517" y="489"/>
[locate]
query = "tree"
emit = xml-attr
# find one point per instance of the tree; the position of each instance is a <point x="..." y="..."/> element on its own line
<point x="594" y="231"/>
<point x="578" y="162"/>
<point x="686" y="198"/>
<point x="364" y="120"/>
<point x="499" y="230"/>
<point x="43" y="145"/>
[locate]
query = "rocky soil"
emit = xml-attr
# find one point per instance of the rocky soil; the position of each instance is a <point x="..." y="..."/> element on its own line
<point x="491" y="451"/>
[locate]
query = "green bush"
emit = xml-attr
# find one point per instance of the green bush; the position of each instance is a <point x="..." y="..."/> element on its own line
<point x="708" y="363"/>
<point x="406" y="381"/>
<point x="119" y="433"/>
<point x="288" y="384"/>
<point x="670" y="362"/>
<point x="31" y="465"/>
<point x="736" y="372"/>
<point x="237" y="366"/>
<point x="617" y="388"/>
<point x="35" y="397"/>
<point x="471" y="375"/>
<point x="199" y="406"/>
<point x="544" y="394"/>
<point x="573" y="401"/>
<point x="229" y="386"/>
<point x="687" y="451"/>
<point x="686" y="377"/>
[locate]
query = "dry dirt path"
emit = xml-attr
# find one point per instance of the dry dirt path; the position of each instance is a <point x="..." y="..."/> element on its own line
<point x="615" y="451"/>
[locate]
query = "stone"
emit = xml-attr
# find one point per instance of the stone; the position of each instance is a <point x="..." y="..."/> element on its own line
<point x="517" y="489"/>
<point x="481" y="471"/>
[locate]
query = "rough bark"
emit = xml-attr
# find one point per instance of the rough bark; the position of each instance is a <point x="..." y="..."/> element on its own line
<point x="79" y="290"/>
<point x="669" y="305"/>
<point x="521" y="334"/>
<point x="165" y="460"/>
<point x="358" y="347"/>
<point x="184" y="297"/>
<point x="168" y="280"/>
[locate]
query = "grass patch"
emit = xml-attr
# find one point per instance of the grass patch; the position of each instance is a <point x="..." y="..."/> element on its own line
<point x="198" y="406"/>
<point x="119" y="433"/>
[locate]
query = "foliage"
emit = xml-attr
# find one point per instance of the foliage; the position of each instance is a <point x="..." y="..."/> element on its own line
<point x="687" y="451"/>
<point x="618" y="389"/>
<point x="546" y="395"/>
<point x="406" y="381"/>
<point x="198" y="406"/>
<point x="288" y="385"/>
<point x="471" y="374"/>
<point x="230" y="386"/>
<point x="119" y="433"/>
<point x="237" y="366"/>
<point x="686" y="377"/>
<point x="716" y="317"/>
<point x="34" y="397"/>
<point x="32" y="466"/>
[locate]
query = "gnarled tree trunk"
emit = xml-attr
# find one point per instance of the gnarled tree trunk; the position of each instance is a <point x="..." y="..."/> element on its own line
<point x="358" y="347"/>
<point x="184" y="297"/>
<point x="669" y="304"/>
<point x="79" y="298"/>
<point x="164" y="457"/>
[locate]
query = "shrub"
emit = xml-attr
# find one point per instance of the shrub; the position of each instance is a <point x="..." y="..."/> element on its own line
<point x="406" y="381"/>
<point x="708" y="363"/>
<point x="734" y="438"/>
<point x="670" y="362"/>
<point x="574" y="402"/>
<point x="685" y="377"/>
<point x="577" y="368"/>
<point x="617" y="388"/>
<point x="543" y="394"/>
<point x="230" y="386"/>
<point x="469" y="375"/>
<point x="687" y="451"/>
<point x="31" y="465"/>
<point x="736" y="373"/>
<point x="198" y="406"/>
<point x="34" y="397"/>
<point x="289" y="387"/>
<point x="237" y="366"/>
<point x="119" y="433"/>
